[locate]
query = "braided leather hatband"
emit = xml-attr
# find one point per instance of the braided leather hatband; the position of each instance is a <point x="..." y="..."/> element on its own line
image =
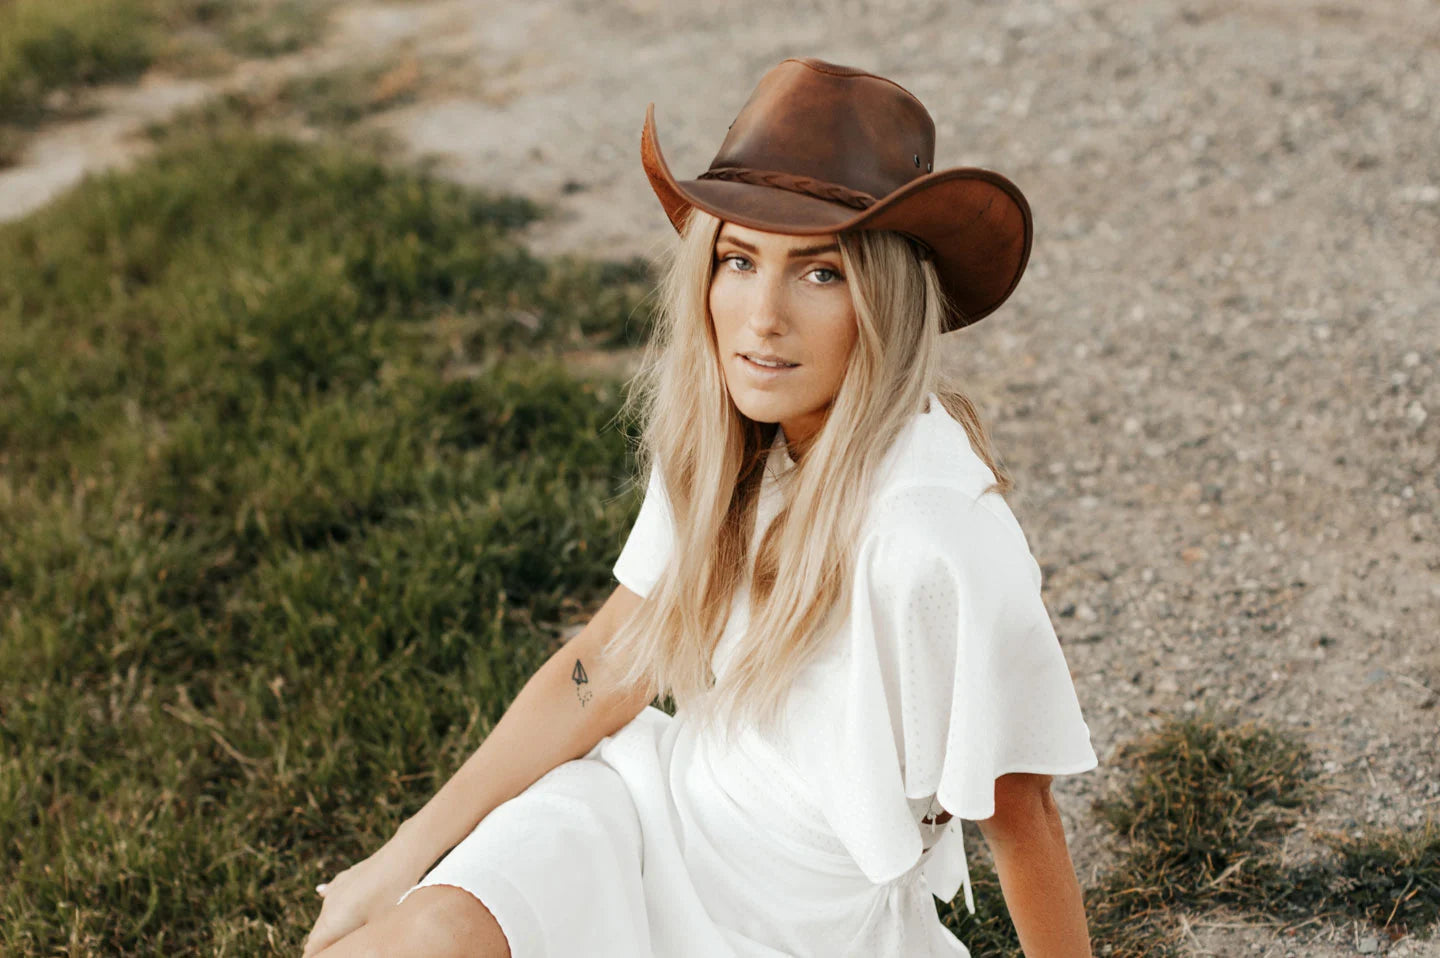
<point x="819" y="189"/>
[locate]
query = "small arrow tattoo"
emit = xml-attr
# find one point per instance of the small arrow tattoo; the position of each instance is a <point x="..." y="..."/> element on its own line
<point x="581" y="679"/>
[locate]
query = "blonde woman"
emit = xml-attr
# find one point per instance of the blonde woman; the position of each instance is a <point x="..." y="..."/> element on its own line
<point x="825" y="577"/>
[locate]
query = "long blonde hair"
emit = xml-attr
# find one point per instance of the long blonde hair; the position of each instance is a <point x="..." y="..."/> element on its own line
<point x="710" y="457"/>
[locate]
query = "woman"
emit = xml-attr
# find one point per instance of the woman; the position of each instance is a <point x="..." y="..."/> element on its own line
<point x="823" y="574"/>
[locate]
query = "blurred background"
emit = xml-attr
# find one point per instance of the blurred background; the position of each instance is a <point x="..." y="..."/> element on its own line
<point x="315" y="317"/>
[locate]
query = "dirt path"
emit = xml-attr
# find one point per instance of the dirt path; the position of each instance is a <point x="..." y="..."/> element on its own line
<point x="1218" y="385"/>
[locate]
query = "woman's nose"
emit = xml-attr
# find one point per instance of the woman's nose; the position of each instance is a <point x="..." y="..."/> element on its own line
<point x="767" y="310"/>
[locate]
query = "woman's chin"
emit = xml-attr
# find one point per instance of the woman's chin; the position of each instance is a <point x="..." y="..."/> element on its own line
<point x="762" y="407"/>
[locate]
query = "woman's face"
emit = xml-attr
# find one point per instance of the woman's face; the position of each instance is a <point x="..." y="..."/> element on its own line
<point x="775" y="295"/>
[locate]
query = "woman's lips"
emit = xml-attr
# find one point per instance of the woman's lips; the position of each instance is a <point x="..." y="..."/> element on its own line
<point x="764" y="373"/>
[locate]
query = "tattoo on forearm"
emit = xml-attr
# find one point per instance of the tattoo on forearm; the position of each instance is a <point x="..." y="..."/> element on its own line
<point x="581" y="680"/>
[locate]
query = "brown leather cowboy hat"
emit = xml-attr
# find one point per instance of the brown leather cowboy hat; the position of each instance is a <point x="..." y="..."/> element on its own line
<point x="820" y="148"/>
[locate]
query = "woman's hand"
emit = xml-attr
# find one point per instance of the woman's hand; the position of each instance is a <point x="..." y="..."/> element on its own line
<point x="359" y="894"/>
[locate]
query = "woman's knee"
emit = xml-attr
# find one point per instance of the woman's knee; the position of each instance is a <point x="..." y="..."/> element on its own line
<point x="451" y="921"/>
<point x="437" y="920"/>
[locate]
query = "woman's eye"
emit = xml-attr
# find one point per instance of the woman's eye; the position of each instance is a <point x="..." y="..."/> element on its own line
<point x="829" y="278"/>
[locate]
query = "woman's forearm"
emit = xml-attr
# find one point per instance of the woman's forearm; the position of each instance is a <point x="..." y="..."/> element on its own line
<point x="553" y="719"/>
<point x="1039" y="884"/>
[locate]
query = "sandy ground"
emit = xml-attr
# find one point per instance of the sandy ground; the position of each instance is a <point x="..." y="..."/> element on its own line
<point x="1218" y="385"/>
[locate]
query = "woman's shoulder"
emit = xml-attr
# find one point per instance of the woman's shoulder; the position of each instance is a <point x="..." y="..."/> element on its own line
<point x="934" y="449"/>
<point x="936" y="488"/>
<point x="939" y="532"/>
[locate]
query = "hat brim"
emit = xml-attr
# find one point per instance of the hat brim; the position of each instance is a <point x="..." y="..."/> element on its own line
<point x="977" y="222"/>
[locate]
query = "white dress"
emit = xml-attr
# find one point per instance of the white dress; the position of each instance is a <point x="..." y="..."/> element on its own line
<point x="948" y="674"/>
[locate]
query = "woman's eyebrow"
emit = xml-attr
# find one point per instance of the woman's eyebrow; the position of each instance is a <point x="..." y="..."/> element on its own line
<point x="795" y="253"/>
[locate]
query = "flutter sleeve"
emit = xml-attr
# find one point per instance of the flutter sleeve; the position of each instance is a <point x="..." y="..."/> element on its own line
<point x="951" y="676"/>
<point x="647" y="549"/>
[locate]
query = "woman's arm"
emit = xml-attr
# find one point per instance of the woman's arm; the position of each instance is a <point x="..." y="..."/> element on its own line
<point x="560" y="713"/>
<point x="1027" y="840"/>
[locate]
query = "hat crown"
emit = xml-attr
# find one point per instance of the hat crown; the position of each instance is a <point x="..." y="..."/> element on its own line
<point x="842" y="125"/>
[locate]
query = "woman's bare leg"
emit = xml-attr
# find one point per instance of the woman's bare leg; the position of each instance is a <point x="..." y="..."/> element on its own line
<point x="437" y="920"/>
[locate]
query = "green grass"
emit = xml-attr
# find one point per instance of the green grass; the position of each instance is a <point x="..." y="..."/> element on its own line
<point x="51" y="48"/>
<point x="47" y="46"/>
<point x="1385" y="877"/>
<point x="335" y="99"/>
<point x="292" y="507"/>
<point x="1208" y="797"/>
<point x="1200" y="826"/>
